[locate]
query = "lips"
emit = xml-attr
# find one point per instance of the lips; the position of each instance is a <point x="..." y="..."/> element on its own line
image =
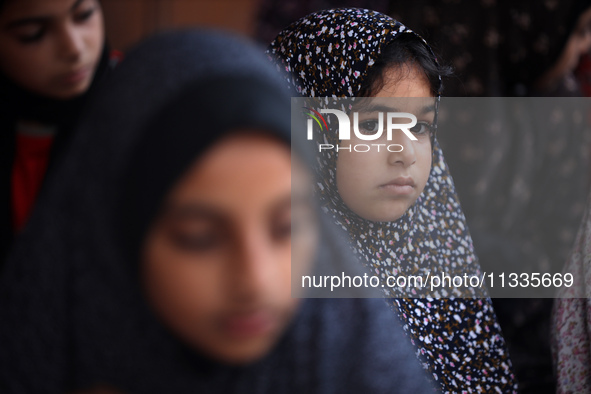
<point x="400" y="185"/>
<point x="76" y="76"/>
<point x="400" y="181"/>
<point x="244" y="325"/>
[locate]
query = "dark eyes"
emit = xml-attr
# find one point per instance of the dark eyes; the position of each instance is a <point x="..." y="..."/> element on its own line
<point x="281" y="231"/>
<point x="200" y="243"/>
<point x="85" y="15"/>
<point x="36" y="31"/>
<point x="372" y="127"/>
<point x="369" y="127"/>
<point x="33" y="36"/>
<point x="422" y="128"/>
<point x="215" y="239"/>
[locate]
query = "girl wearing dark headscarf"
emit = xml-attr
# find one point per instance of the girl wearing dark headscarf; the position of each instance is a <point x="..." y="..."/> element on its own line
<point x="159" y="258"/>
<point x="356" y="52"/>
<point x="52" y="54"/>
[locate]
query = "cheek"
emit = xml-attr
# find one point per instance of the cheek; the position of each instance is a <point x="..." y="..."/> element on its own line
<point x="275" y="275"/>
<point x="184" y="294"/>
<point x="304" y="246"/>
<point x="354" y="174"/>
<point x="20" y="63"/>
<point x="424" y="163"/>
<point x="304" y="227"/>
<point x="94" y="36"/>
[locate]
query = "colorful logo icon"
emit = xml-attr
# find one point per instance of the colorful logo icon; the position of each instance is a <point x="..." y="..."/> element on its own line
<point x="318" y="118"/>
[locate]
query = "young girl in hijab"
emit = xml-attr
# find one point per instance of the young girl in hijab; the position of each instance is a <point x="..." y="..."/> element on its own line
<point x="159" y="259"/>
<point x="399" y="208"/>
<point x="52" y="54"/>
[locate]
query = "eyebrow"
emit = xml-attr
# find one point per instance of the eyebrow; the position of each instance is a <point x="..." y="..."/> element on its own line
<point x="194" y="211"/>
<point x="384" y="108"/>
<point x="37" y="19"/>
<point x="209" y="212"/>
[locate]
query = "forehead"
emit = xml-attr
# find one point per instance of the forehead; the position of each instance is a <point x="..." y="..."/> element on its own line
<point x="22" y="8"/>
<point x="239" y="170"/>
<point x="405" y="81"/>
<point x="405" y="88"/>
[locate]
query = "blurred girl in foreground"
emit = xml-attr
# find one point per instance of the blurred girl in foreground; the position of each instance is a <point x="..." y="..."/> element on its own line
<point x="160" y="258"/>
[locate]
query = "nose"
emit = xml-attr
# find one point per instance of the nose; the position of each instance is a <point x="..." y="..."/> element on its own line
<point x="70" y="43"/>
<point x="405" y="157"/>
<point x="252" y="271"/>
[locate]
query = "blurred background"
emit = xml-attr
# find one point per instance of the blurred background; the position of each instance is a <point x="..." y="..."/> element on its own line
<point x="127" y="21"/>
<point x="497" y="47"/>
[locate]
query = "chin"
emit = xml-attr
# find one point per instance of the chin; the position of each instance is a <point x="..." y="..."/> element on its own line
<point x="72" y="91"/>
<point x="240" y="357"/>
<point x="77" y="92"/>
<point x="390" y="218"/>
<point x="384" y="215"/>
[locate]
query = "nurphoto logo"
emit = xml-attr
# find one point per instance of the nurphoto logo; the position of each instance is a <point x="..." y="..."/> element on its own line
<point x="392" y="120"/>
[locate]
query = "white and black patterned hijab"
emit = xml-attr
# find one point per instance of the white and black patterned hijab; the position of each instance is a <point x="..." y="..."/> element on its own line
<point x="328" y="54"/>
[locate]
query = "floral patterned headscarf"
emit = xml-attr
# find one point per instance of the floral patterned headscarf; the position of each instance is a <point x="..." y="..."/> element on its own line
<point x="571" y="317"/>
<point x="329" y="54"/>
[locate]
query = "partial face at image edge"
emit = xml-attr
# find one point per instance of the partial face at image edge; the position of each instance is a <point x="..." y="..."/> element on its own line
<point x="51" y="47"/>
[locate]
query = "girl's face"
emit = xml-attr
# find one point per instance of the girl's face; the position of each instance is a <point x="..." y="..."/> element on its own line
<point x="217" y="261"/>
<point x="51" y="47"/>
<point x="382" y="185"/>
